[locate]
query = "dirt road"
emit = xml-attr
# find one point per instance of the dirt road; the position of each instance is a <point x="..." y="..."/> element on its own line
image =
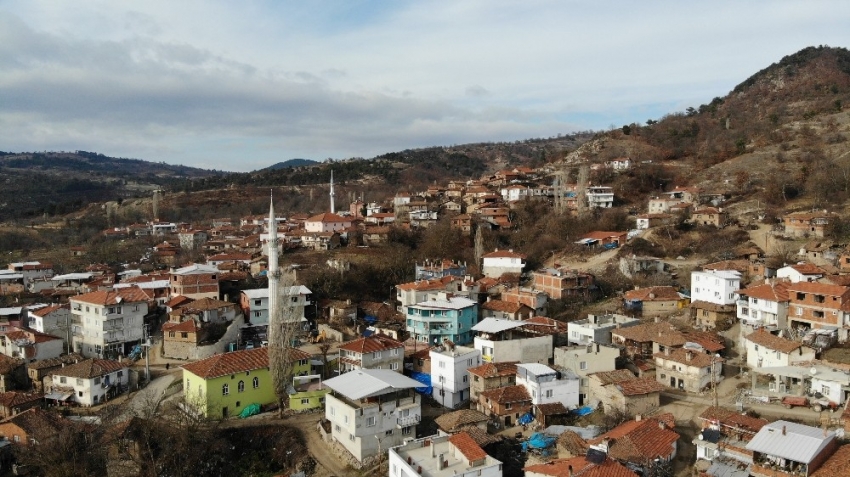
<point x="318" y="449"/>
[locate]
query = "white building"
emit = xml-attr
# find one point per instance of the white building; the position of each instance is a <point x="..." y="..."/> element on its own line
<point x="499" y="262"/>
<point x="502" y="341"/>
<point x="768" y="350"/>
<point x="600" y="197"/>
<point x="31" y="271"/>
<point x="30" y="345"/>
<point x="597" y="328"/>
<point x="163" y="228"/>
<point x="715" y="286"/>
<point x="255" y="303"/>
<point x="371" y="410"/>
<point x="800" y="272"/>
<point x="449" y="376"/>
<point x="52" y="319"/>
<point x="763" y="306"/>
<point x="108" y="322"/>
<point x="456" y="455"/>
<point x="515" y="192"/>
<point x="546" y="385"/>
<point x="584" y="360"/>
<point x="89" y="382"/>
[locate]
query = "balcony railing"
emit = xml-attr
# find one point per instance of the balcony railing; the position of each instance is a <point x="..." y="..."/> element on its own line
<point x="408" y="421"/>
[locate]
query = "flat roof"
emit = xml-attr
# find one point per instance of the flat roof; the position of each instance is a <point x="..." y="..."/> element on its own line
<point x="72" y="276"/>
<point x="496" y="325"/>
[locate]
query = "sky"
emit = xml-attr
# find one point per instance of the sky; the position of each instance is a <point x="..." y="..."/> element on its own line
<point x="239" y="86"/>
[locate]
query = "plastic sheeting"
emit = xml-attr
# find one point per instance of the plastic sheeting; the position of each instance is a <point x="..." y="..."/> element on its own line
<point x="582" y="411"/>
<point x="525" y="419"/>
<point x="250" y="410"/>
<point x="538" y="441"/>
<point x="425" y="379"/>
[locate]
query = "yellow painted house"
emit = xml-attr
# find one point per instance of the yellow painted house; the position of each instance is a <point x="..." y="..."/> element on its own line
<point x="224" y="384"/>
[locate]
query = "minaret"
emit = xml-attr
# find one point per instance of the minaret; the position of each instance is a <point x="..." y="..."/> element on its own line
<point x="333" y="209"/>
<point x="273" y="270"/>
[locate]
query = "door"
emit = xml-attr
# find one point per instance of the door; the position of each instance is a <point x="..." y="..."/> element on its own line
<point x="508" y="421"/>
<point x="224" y="411"/>
<point x="672" y="382"/>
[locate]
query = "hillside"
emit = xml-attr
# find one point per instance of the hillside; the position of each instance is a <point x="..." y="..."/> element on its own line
<point x="56" y="183"/>
<point x="290" y="163"/>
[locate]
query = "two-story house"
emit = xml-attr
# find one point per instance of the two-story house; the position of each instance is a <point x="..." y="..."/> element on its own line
<point x="763" y="306"/>
<point x="505" y="404"/>
<point x="562" y="282"/>
<point x="547" y="385"/>
<point x="490" y="376"/>
<point x="597" y="328"/>
<point x="506" y="310"/>
<point x="768" y="350"/>
<point x="415" y="292"/>
<point x="108" y="323"/>
<point x="195" y="281"/>
<point x="443" y="316"/>
<point x="713" y="296"/>
<point x="371" y="410"/>
<point x="255" y="303"/>
<point x="327" y="222"/>
<point x="807" y="224"/>
<point x="30" y="345"/>
<point x="536" y="299"/>
<point x="371" y="352"/>
<point x="585" y="360"/>
<point x="52" y="319"/>
<point x="449" y="372"/>
<point x="507" y="340"/>
<point x="499" y="262"/>
<point x="88" y="383"/>
<point x="818" y="305"/>
<point x="620" y="390"/>
<point x="686" y="369"/>
<point x="654" y="301"/>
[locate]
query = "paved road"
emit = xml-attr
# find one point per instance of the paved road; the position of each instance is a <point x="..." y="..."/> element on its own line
<point x="146" y="401"/>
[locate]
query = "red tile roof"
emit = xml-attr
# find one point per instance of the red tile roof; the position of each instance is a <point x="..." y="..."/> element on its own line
<point x="838" y="465"/>
<point x="808" y="269"/>
<point x="327" y="217"/>
<point x="237" y="362"/>
<point x="503" y="306"/>
<point x="451" y="421"/>
<point x="423" y="285"/>
<point x="639" y="386"/>
<point x="11" y="399"/>
<point x="639" y="441"/>
<point x="113" y="297"/>
<point x="580" y="467"/>
<point x="188" y="326"/>
<point x="42" y="312"/>
<point x="819" y="288"/>
<point x="492" y="370"/>
<point x="777" y="343"/>
<point x="507" y="394"/>
<point x="504" y="254"/>
<point x="659" y="293"/>
<point x="467" y="446"/>
<point x="662" y="332"/>
<point x="777" y="292"/>
<point x="90" y="368"/>
<point x="371" y="344"/>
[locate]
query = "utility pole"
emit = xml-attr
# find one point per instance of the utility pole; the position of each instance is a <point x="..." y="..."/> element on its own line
<point x="714" y="377"/>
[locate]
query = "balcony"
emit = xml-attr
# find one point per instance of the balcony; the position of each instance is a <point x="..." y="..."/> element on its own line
<point x="408" y="421"/>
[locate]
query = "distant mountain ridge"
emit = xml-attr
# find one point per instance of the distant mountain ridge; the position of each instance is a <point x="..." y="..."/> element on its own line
<point x="290" y="163"/>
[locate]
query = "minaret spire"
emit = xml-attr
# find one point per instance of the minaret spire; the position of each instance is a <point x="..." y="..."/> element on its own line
<point x="333" y="209"/>
<point x="273" y="270"/>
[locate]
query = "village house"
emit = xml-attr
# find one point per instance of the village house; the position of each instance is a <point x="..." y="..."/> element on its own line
<point x="807" y="224"/>
<point x="621" y="391"/>
<point x="88" y="383"/>
<point x="31" y="271"/>
<point x="30" y="345"/>
<point x="37" y="370"/>
<point x="460" y="420"/>
<point x="499" y="262"/>
<point x="639" y="442"/>
<point x="724" y="436"/>
<point x="817" y="305"/>
<point x="367" y="403"/>
<point x="597" y="328"/>
<point x="688" y="370"/>
<point x="420" y="291"/>
<point x="33" y="426"/>
<point x="490" y="376"/>
<point x="603" y="239"/>
<point x="16" y="402"/>
<point x="547" y="385"/>
<point x="505" y="310"/>
<point x="534" y="299"/>
<point x="371" y="352"/>
<point x="585" y="360"/>
<point x="648" y="221"/>
<point x="711" y="216"/>
<point x="767" y="350"/>
<point x="763" y="306"/>
<point x="713" y="296"/>
<point x="800" y="272"/>
<point x="506" y="340"/>
<point x="255" y="303"/>
<point x="654" y="301"/>
<point x="195" y="281"/>
<point x="784" y="448"/>
<point x="583" y="465"/>
<point x="327" y="222"/>
<point x="505" y="404"/>
<point x="108" y="323"/>
<point x="562" y="283"/>
<point x="449" y="373"/>
<point x="51" y="319"/>
<point x="429" y="269"/>
<point x="443" y="316"/>
<point x="543" y="326"/>
<point x="442" y="456"/>
<point x="13" y="374"/>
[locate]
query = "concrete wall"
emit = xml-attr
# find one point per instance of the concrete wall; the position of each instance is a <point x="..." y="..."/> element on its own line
<point x="526" y="350"/>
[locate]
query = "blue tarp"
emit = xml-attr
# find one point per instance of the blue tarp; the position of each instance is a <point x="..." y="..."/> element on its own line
<point x="525" y="419"/>
<point x="582" y="411"/>
<point x="538" y="440"/>
<point x="369" y="319"/>
<point x="423" y="378"/>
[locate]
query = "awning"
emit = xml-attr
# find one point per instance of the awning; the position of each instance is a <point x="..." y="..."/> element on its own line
<point x="58" y="396"/>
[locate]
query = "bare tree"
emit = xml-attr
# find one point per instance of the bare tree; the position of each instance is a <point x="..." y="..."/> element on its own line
<point x="479" y="248"/>
<point x="324" y="347"/>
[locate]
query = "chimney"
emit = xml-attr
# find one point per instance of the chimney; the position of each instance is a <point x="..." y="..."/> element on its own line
<point x="433" y="449"/>
<point x="638" y="417"/>
<point x="661" y="425"/>
<point x="783" y="430"/>
<point x="689" y="355"/>
<point x="570" y="471"/>
<point x="667" y="351"/>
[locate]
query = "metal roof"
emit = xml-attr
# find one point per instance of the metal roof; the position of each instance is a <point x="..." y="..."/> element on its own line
<point x="537" y="369"/>
<point x="790" y="440"/>
<point x="496" y="325"/>
<point x="144" y="285"/>
<point x="72" y="276"/>
<point x="453" y="303"/>
<point x="363" y="383"/>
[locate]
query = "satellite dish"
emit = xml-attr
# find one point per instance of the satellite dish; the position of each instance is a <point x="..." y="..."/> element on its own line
<point x="813" y="371"/>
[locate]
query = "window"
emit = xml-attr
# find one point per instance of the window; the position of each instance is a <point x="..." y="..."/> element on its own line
<point x="406" y="430"/>
<point x="825" y="390"/>
<point x="549" y="393"/>
<point x="337" y="428"/>
<point x="258" y="302"/>
<point x="79" y="382"/>
<point x="582" y="365"/>
<point x="97" y="380"/>
<point x="442" y="364"/>
<point x="256" y="382"/>
<point x="225" y="389"/>
<point x="184" y="335"/>
<point x="376" y="355"/>
<point x="345" y="418"/>
<point x="394" y="352"/>
<point x="171" y="334"/>
<point x="756" y="347"/>
<point x="120" y="374"/>
<point x="475" y="378"/>
<point x="508" y="406"/>
<point x="778" y="354"/>
<point x="465" y="378"/>
<point x="305" y="401"/>
<point x="389" y="433"/>
<point x="332" y="411"/>
<point x="799" y="311"/>
<point x="241" y="386"/>
<point x="351" y="437"/>
<point x="371" y="421"/>
<point x="394" y="366"/>
<point x="584" y="382"/>
<point x="257" y="314"/>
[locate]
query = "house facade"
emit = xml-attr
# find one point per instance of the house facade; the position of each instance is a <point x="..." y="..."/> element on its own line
<point x="688" y="370"/>
<point x="499" y="262"/>
<point x="89" y="382"/>
<point x="490" y="376"/>
<point x="450" y="366"/>
<point x="108" y="323"/>
<point x="585" y="360"/>
<point x="506" y="340"/>
<point x="371" y="352"/>
<point x="444" y="316"/>
<point x="195" y="281"/>
<point x="768" y="350"/>
<point x="547" y="386"/>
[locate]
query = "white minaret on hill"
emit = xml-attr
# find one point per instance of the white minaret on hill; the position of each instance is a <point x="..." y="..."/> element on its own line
<point x="333" y="208"/>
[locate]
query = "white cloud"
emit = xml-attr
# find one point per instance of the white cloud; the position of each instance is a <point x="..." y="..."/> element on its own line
<point x="242" y="85"/>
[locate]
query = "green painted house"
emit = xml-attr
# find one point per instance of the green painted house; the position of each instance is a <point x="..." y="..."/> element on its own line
<point x="223" y="385"/>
